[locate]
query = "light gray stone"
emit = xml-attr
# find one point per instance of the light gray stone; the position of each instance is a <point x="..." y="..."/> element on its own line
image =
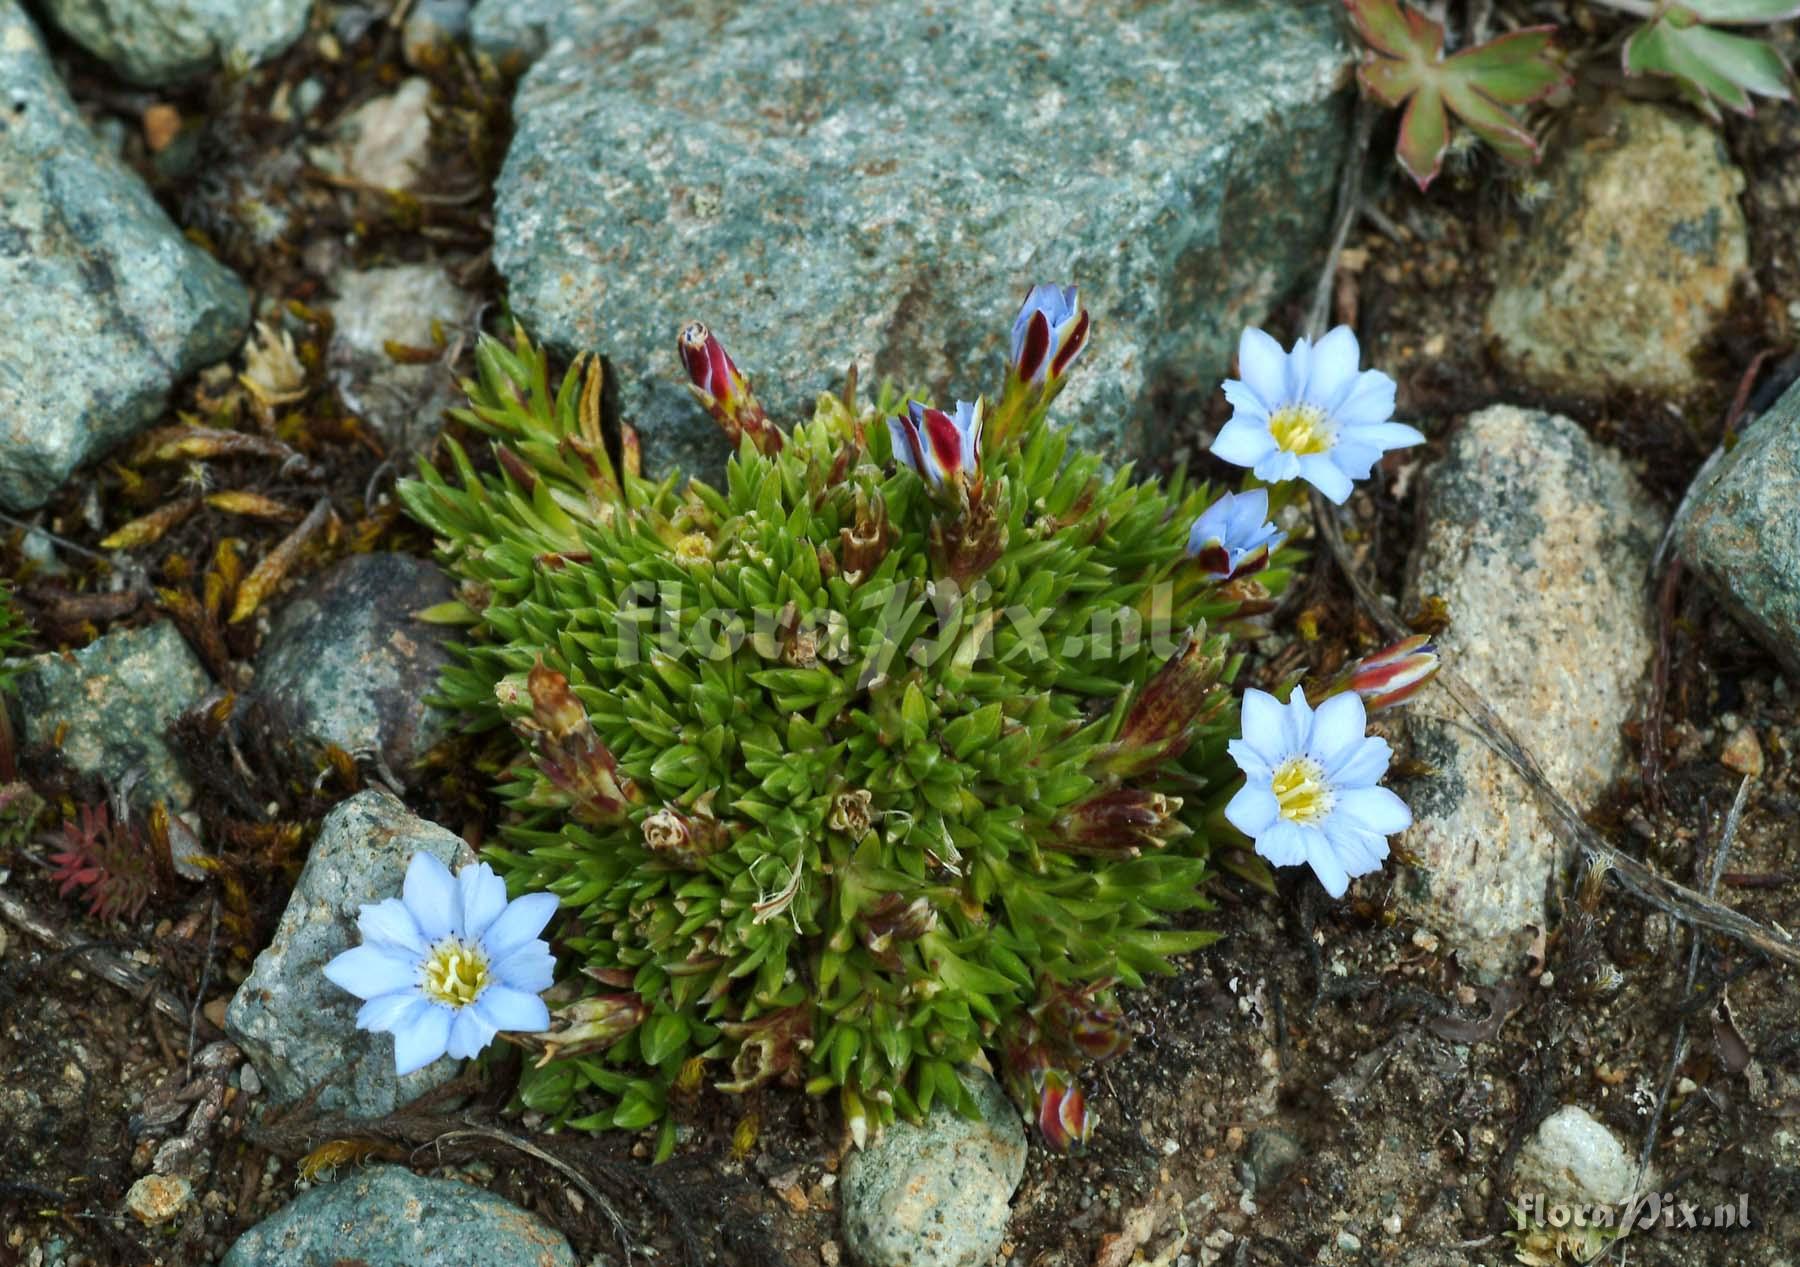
<point x="105" y="305"/>
<point x="1617" y="279"/>
<point x="295" y="1026"/>
<point x="111" y="702"/>
<point x="384" y="142"/>
<point x="1575" y="1159"/>
<point x="879" y="184"/>
<point x="386" y="1216"/>
<point x="349" y="663"/>
<point x="936" y="1194"/>
<point x="1743" y="531"/>
<point x="1538" y="540"/>
<point x="405" y="402"/>
<point x="167" y="42"/>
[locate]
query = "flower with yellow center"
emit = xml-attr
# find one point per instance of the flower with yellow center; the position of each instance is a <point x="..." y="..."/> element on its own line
<point x="1310" y="791"/>
<point x="449" y="963"/>
<point x="1309" y="413"/>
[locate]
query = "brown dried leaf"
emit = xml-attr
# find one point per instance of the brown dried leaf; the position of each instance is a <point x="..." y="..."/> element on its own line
<point x="266" y="575"/>
<point x="238" y="501"/>
<point x="149" y="529"/>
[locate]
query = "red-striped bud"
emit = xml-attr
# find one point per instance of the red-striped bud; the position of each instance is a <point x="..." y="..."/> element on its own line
<point x="722" y="391"/>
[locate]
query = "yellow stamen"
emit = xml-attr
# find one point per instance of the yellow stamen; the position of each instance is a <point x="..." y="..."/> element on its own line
<point x="455" y="973"/>
<point x="1301" y="792"/>
<point x="1301" y="429"/>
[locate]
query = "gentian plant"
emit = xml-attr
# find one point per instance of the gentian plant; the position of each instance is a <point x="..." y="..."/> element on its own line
<point x="906" y="744"/>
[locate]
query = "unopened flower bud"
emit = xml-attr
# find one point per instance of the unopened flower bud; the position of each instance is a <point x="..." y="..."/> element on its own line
<point x="851" y="813"/>
<point x="864" y="543"/>
<point x="568" y="751"/>
<point x="1390" y="676"/>
<point x="1118" y="824"/>
<point x="722" y="391"/>
<point x="592" y="1024"/>
<point x="1076" y="1018"/>
<point x="943" y="448"/>
<point x="1178" y="696"/>
<point x="685" y="840"/>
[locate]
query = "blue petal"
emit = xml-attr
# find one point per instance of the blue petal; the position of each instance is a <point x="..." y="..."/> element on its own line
<point x="1244" y="442"/>
<point x="1353" y="457"/>
<point x="1256" y="768"/>
<point x="1244" y="401"/>
<point x="1361" y="766"/>
<point x="469" y="1033"/>
<point x="1265" y="727"/>
<point x="1339" y="723"/>
<point x="388" y="923"/>
<point x="1384" y="435"/>
<point x="1296" y="723"/>
<point x="393" y="1011"/>
<point x="481" y="896"/>
<point x="1262" y="366"/>
<point x="430" y="893"/>
<point x="1324" y="860"/>
<point x="1284" y="844"/>
<point x="1371" y="401"/>
<point x="1333" y="369"/>
<point x="1323" y="474"/>
<point x="1374" y="809"/>
<point x="370" y="970"/>
<point x="532" y="967"/>
<point x="423" y="1041"/>
<point x="1299" y="369"/>
<point x="521" y="921"/>
<point x="1277" y="466"/>
<point x="1360" y="852"/>
<point x="1253" y="810"/>
<point x="512" y="1010"/>
<point x="901" y="442"/>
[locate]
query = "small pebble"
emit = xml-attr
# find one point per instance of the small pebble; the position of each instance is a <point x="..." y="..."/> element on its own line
<point x="1392" y="1224"/>
<point x="1348" y="1243"/>
<point x="249" y="1081"/>
<point x="158" y="1198"/>
<point x="1743" y="753"/>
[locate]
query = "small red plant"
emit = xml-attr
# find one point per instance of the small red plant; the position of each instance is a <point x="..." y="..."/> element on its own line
<point x="111" y="863"/>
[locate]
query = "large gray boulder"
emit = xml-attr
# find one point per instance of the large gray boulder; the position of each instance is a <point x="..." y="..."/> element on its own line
<point x="880" y="183"/>
<point x="104" y="304"/>
<point x="165" y="42"/>
<point x="297" y="1028"/>
<point x="1538" y="540"/>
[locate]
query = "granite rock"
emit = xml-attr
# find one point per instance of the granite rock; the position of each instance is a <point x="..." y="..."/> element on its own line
<point x="104" y="303"/>
<point x="936" y="1194"/>
<point x="297" y="1028"/>
<point x="1743" y="531"/>
<point x="1617" y="279"/>
<point x="165" y="42"/>
<point x="1538" y="540"/>
<point x="1573" y="1158"/>
<point x="879" y="184"/>
<point x="386" y="1216"/>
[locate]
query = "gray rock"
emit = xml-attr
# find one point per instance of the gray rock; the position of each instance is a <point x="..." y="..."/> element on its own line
<point x="166" y="42"/>
<point x="1272" y="1155"/>
<point x="296" y="1027"/>
<point x="880" y="184"/>
<point x="1616" y="281"/>
<point x="1743" y="531"/>
<point x="113" y="701"/>
<point x="1575" y="1159"/>
<point x="386" y="1216"/>
<point x="1538" y="539"/>
<point x="935" y="1195"/>
<point x="105" y="305"/>
<point x="516" y="32"/>
<point x="348" y="662"/>
<point x="404" y="402"/>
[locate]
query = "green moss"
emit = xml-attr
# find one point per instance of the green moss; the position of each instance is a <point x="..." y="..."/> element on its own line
<point x="901" y="820"/>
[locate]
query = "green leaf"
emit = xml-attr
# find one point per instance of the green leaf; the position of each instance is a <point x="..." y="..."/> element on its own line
<point x="1714" y="67"/>
<point x="1740" y="12"/>
<point x="662" y="1038"/>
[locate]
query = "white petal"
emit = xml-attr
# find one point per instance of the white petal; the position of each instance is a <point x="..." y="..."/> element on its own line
<point x="1244" y="442"/>
<point x="1253" y="810"/>
<point x="367" y="971"/>
<point x="469" y="1033"/>
<point x="1361" y="765"/>
<point x="1255" y="766"/>
<point x="1299" y="370"/>
<point x="430" y="893"/>
<point x="1384" y="435"/>
<point x="513" y="1010"/>
<point x="1323" y="474"/>
<point x="389" y="923"/>
<point x="521" y="921"/>
<point x="531" y="967"/>
<point x="387" y="1012"/>
<point x="482" y="895"/>
<point x="1369" y="402"/>
<point x="1323" y="859"/>
<point x="1244" y="401"/>
<point x="423" y="1041"/>
<point x="1339" y="723"/>
<point x="1262" y="366"/>
<point x="1284" y="844"/>
<point x="1265" y="726"/>
<point x="1374" y="809"/>
<point x="1296" y="723"/>
<point x="1333" y="369"/>
<point x="1361" y="852"/>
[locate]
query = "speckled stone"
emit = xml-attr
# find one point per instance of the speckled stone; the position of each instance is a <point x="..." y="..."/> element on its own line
<point x="105" y="305"/>
<point x="378" y="306"/>
<point x="1743" y="532"/>
<point x="1616" y="280"/>
<point x="935" y="1195"/>
<point x="1538" y="539"/>
<point x="1572" y="1157"/>
<point x="880" y="183"/>
<point x="296" y="1027"/>
<point x="166" y="42"/>
<point x="113" y="701"/>
<point x="349" y="662"/>
<point x="386" y="1216"/>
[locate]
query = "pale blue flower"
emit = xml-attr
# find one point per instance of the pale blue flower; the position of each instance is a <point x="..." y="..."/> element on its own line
<point x="1310" y="791"/>
<point x="449" y="963"/>
<point x="1309" y="414"/>
<point x="940" y="446"/>
<point x="1233" y="536"/>
<point x="1049" y="333"/>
